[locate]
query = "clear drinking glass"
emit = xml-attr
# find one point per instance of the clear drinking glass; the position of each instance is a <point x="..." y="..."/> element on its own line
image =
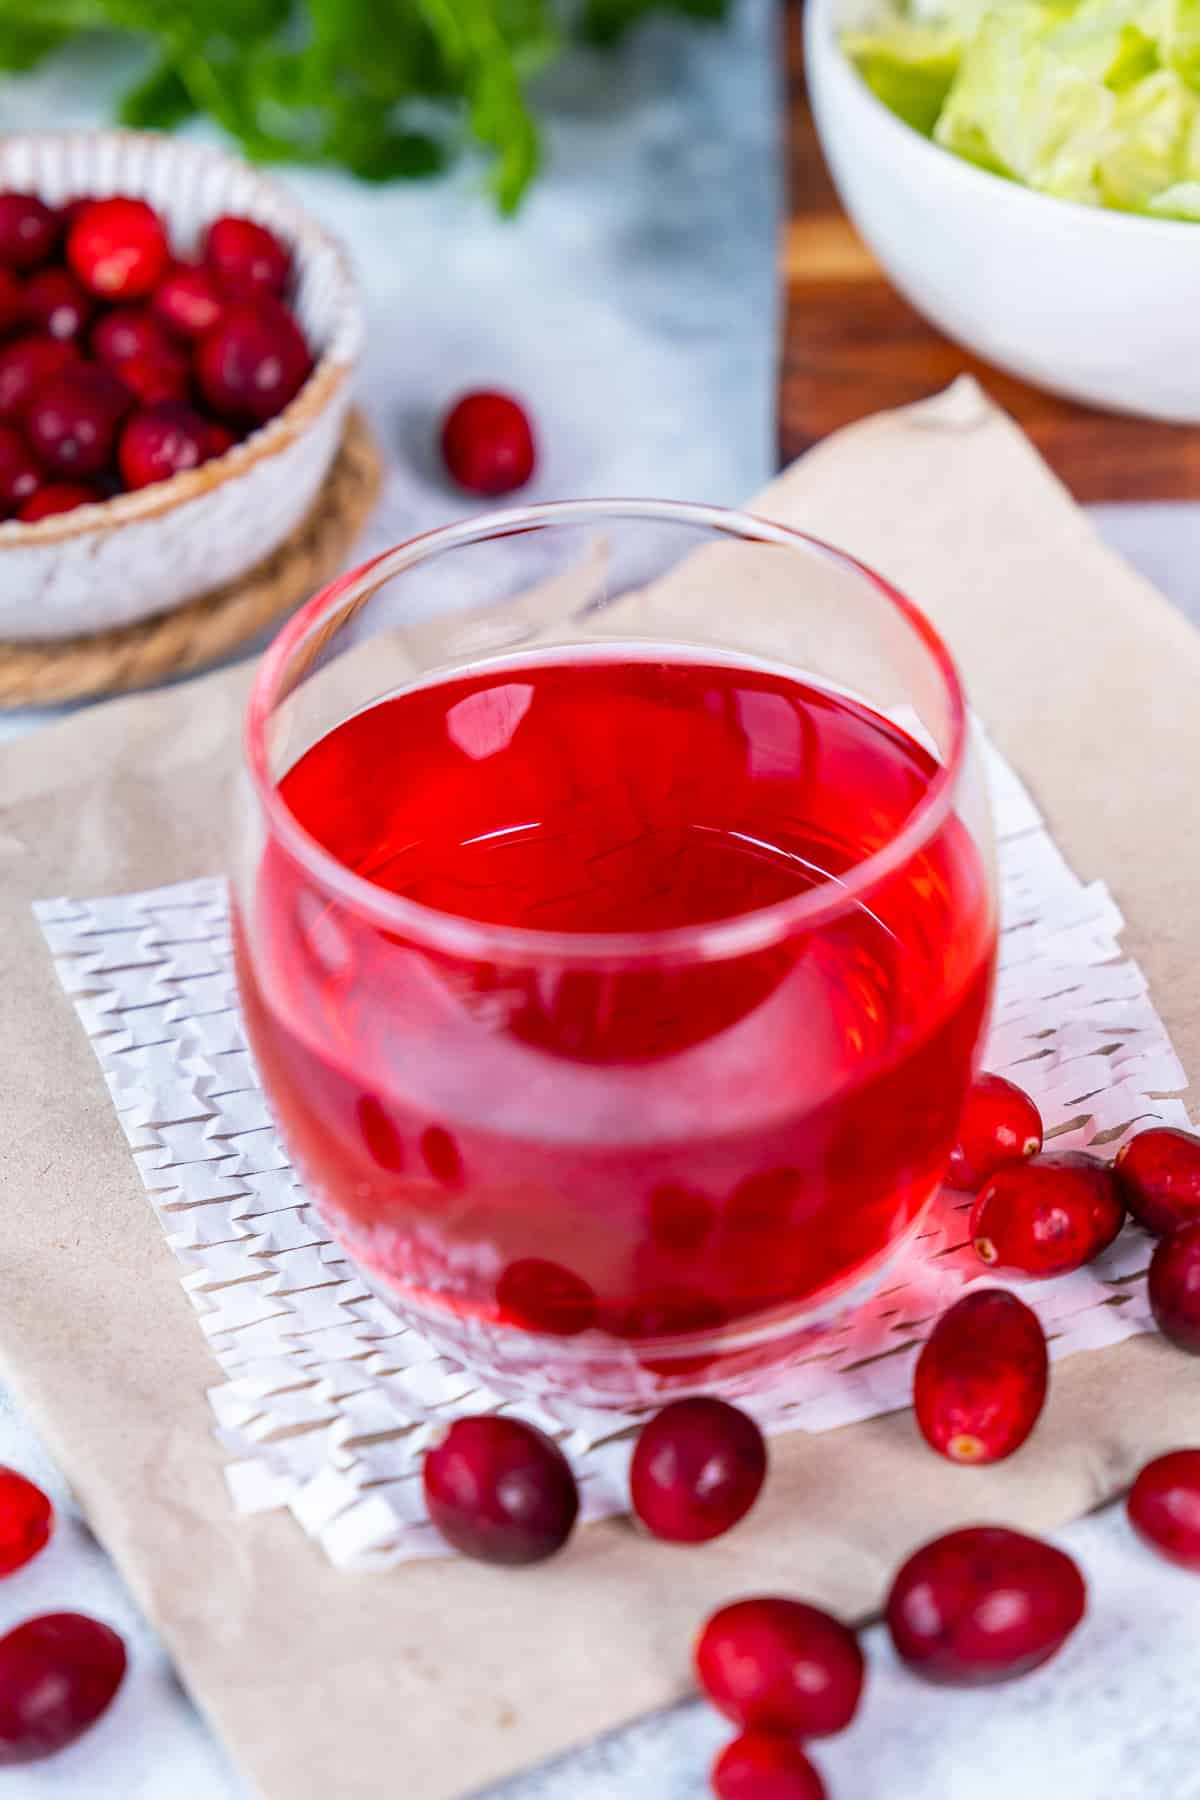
<point x="615" y="927"/>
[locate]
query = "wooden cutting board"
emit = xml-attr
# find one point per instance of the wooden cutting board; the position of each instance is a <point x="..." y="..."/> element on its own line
<point x="852" y="346"/>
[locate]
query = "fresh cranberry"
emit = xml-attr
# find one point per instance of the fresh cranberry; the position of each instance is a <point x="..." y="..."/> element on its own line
<point x="118" y="248"/>
<point x="488" y="444"/>
<point x="153" y="378"/>
<point x="58" y="1673"/>
<point x="12" y="302"/>
<point x="984" y="1604"/>
<point x="246" y="258"/>
<point x="1174" y="1287"/>
<point x="56" y="304"/>
<point x="252" y="363"/>
<point x="127" y="332"/>
<point x="74" y="209"/>
<point x="25" y="364"/>
<point x="1164" y="1506"/>
<point x="981" y="1379"/>
<point x="160" y="441"/>
<point x="760" y="1765"/>
<point x="1158" y="1172"/>
<point x="220" y="438"/>
<point x="680" y="1218"/>
<point x="781" y="1665"/>
<point x="542" y="1296"/>
<point x="72" y="420"/>
<point x="500" y="1490"/>
<point x="26" y="1520"/>
<point x="1047" y="1217"/>
<point x="188" y="301"/>
<point x="698" y="1468"/>
<point x="29" y="231"/>
<point x="20" y="475"/>
<point x="1000" y="1124"/>
<point x="56" y="497"/>
<point x="441" y="1155"/>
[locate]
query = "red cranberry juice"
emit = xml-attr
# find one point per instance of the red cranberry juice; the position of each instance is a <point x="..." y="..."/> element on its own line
<point x="652" y="1146"/>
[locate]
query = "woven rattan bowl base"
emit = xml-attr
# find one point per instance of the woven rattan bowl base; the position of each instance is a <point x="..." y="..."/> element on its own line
<point x="42" y="672"/>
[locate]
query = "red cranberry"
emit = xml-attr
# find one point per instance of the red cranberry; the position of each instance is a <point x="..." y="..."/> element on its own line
<point x="56" y="304"/>
<point x="441" y="1155"/>
<point x="1158" y="1172"/>
<point x="28" y="231"/>
<point x="252" y="363"/>
<point x="152" y="378"/>
<point x="26" y="1520"/>
<point x="20" y="476"/>
<point x="780" y="1665"/>
<point x="246" y="258"/>
<point x="127" y="332"/>
<point x="542" y="1296"/>
<point x="1048" y="1217"/>
<point x="1164" y="1506"/>
<point x="1000" y="1124"/>
<point x="160" y="441"/>
<point x="760" y="1765"/>
<point x="72" y="420"/>
<point x="25" y="364"/>
<point x="74" y="209"/>
<point x="981" y="1379"/>
<point x="697" y="1469"/>
<point x="118" y="248"/>
<point x="188" y="301"/>
<point x="500" y="1490"/>
<point x="1174" y="1286"/>
<point x="12" y="302"/>
<point x="56" y="497"/>
<point x="58" y="1673"/>
<point x="488" y="444"/>
<point x="984" y="1604"/>
<point x="680" y="1218"/>
<point x="220" y="438"/>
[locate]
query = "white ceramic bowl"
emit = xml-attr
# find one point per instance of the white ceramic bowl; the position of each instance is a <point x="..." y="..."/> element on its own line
<point x="143" y="553"/>
<point x="1103" y="307"/>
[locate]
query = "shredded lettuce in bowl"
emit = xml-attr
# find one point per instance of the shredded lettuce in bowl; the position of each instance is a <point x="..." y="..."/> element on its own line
<point x="1096" y="101"/>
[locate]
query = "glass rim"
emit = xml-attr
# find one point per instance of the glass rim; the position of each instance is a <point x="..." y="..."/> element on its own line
<point x="734" y="935"/>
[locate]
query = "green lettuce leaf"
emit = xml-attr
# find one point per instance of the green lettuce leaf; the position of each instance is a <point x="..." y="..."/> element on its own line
<point x="909" y="67"/>
<point x="1096" y="101"/>
<point x="1180" y="39"/>
<point x="1019" y="107"/>
<point x="1179" y="202"/>
<point x="1149" y="141"/>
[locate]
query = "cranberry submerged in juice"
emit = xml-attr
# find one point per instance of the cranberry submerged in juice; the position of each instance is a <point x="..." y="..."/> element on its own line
<point x="684" y="1139"/>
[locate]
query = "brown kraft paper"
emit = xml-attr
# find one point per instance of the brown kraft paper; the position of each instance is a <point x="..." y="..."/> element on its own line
<point x="438" y="1677"/>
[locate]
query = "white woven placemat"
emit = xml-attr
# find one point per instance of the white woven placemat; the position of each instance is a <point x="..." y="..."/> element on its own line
<point x="327" y="1401"/>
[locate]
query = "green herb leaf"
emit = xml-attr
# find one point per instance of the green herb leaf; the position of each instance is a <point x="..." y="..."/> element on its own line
<point x="384" y="88"/>
<point x="158" y="101"/>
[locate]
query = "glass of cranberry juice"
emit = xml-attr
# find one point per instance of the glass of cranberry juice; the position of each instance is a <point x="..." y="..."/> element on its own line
<point x="615" y="928"/>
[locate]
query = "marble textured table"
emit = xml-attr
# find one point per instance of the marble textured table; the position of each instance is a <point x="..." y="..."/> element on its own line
<point x="633" y="304"/>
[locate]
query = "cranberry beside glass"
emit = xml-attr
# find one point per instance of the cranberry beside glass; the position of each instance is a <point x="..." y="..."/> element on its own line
<point x="615" y="956"/>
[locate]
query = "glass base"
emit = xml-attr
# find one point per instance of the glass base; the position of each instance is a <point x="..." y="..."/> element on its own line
<point x="596" y="1371"/>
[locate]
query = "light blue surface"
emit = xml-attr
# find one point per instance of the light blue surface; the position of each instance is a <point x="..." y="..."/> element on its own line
<point x="1113" y="1717"/>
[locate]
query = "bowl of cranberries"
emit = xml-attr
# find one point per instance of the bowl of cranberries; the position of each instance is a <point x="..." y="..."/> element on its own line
<point x="176" y="343"/>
